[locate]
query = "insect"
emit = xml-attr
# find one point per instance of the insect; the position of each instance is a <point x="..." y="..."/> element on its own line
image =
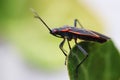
<point x="68" y="33"/>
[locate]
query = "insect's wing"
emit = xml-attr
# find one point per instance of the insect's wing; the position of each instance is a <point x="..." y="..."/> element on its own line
<point x="88" y="35"/>
<point x="101" y="35"/>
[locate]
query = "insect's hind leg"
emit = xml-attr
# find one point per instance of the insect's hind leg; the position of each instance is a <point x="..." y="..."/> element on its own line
<point x="61" y="47"/>
<point x="84" y="52"/>
<point x="77" y="21"/>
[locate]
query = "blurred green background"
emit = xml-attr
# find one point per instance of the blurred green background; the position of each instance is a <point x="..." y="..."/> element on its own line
<point x="18" y="25"/>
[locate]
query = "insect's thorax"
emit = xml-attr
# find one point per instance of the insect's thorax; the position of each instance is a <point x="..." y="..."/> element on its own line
<point x="65" y="32"/>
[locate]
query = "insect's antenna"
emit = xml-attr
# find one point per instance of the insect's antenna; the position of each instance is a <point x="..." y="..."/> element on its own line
<point x="37" y="16"/>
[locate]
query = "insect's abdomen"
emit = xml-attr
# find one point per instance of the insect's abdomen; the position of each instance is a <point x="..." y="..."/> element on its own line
<point x="92" y="38"/>
<point x="88" y="35"/>
<point x="97" y="37"/>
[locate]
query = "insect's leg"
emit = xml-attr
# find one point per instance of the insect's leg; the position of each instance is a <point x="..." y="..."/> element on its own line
<point x="61" y="47"/>
<point x="77" y="21"/>
<point x="69" y="44"/>
<point x="84" y="52"/>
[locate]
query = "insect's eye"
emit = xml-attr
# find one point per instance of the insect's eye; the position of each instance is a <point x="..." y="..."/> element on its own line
<point x="54" y="30"/>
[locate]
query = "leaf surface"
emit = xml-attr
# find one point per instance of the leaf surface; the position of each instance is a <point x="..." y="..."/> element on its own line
<point x="103" y="62"/>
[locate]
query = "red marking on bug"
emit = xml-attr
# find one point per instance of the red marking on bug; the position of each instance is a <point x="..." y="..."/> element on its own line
<point x="75" y="32"/>
<point x="65" y="30"/>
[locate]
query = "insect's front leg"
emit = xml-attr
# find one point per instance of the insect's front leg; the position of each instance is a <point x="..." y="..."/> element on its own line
<point x="61" y="47"/>
<point x="84" y="52"/>
<point x="77" y="21"/>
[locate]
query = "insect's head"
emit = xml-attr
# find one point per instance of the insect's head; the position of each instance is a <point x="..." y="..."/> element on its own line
<point x="56" y="32"/>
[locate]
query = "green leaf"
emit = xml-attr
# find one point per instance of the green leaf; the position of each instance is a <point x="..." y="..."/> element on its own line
<point x="103" y="62"/>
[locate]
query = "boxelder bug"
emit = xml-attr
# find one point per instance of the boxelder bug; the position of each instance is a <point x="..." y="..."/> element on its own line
<point x="68" y="33"/>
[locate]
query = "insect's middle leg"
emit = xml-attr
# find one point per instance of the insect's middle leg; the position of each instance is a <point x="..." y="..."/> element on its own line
<point x="77" y="21"/>
<point x="61" y="47"/>
<point x="69" y="44"/>
<point x="84" y="52"/>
